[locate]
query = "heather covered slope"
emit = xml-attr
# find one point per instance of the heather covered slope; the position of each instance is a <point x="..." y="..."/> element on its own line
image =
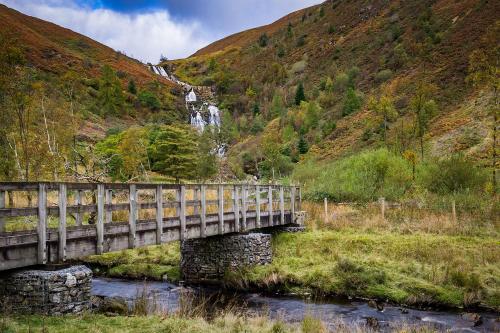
<point x="345" y="53"/>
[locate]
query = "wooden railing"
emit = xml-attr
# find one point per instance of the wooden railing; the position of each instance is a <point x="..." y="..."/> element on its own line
<point x="202" y="209"/>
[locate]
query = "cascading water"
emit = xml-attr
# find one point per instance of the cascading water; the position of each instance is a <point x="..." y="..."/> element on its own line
<point x="202" y="111"/>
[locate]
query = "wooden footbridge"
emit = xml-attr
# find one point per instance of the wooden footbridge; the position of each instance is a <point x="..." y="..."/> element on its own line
<point x="74" y="220"/>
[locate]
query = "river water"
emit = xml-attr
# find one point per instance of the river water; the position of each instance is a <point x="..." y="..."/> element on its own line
<point x="167" y="298"/>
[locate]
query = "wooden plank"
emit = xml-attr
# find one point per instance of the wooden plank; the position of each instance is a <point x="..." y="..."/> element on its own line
<point x="300" y="198"/>
<point x="244" y="206"/>
<point x="2" y="205"/>
<point x="132" y="216"/>
<point x="79" y="195"/>
<point x="292" y="202"/>
<point x="62" y="222"/>
<point x="282" y="206"/>
<point x="159" y="213"/>
<point x="270" y="205"/>
<point x="221" y="208"/>
<point x="236" y="208"/>
<point x="257" y="205"/>
<point x="109" y="201"/>
<point x="42" y="224"/>
<point x="203" y="216"/>
<point x="182" y="212"/>
<point x="100" y="219"/>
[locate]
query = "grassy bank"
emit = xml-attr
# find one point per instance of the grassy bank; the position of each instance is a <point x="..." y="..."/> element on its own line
<point x="154" y="262"/>
<point x="415" y="258"/>
<point x="178" y="324"/>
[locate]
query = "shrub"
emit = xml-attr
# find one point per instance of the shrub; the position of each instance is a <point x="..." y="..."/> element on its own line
<point x="383" y="75"/>
<point x="149" y="99"/>
<point x="299" y="67"/>
<point x="359" y="178"/>
<point x="452" y="175"/>
<point x="352" y="102"/>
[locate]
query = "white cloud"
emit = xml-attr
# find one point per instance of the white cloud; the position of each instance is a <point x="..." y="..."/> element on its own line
<point x="144" y="36"/>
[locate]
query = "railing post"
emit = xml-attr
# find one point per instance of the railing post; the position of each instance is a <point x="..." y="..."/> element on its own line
<point x="100" y="218"/>
<point x="62" y="221"/>
<point x="203" y="216"/>
<point x="236" y="208"/>
<point x="196" y="207"/>
<point x="182" y="212"/>
<point x="159" y="213"/>
<point x="221" y="209"/>
<point x="300" y="198"/>
<point x="2" y="205"/>
<point x="244" y="203"/>
<point x="292" y="202"/>
<point x="132" y="216"/>
<point x="282" y="206"/>
<point x="270" y="205"/>
<point x="78" y="202"/>
<point x="109" y="201"/>
<point x="257" y="205"/>
<point x="42" y="224"/>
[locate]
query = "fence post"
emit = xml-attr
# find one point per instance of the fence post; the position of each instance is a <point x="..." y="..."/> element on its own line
<point x="100" y="218"/>
<point x="182" y="215"/>
<point x="132" y="216"/>
<point x="42" y="224"/>
<point x="257" y="205"/>
<point x="453" y="211"/>
<point x="78" y="202"/>
<point x="282" y="205"/>
<point x="292" y="202"/>
<point x="2" y="205"/>
<point x="326" y="209"/>
<point x="221" y="209"/>
<point x="236" y="208"/>
<point x="203" y="216"/>
<point x="244" y="205"/>
<point x="159" y="213"/>
<point x="382" y="207"/>
<point x="62" y="222"/>
<point x="109" y="201"/>
<point x="270" y="205"/>
<point x="300" y="198"/>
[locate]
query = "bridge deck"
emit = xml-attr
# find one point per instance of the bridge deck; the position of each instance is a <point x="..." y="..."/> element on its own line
<point x="156" y="213"/>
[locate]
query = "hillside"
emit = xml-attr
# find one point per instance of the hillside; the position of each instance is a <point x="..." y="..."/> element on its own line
<point x="56" y="51"/>
<point x="346" y="53"/>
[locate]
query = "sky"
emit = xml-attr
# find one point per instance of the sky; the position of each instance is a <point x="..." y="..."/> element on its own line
<point x="146" y="30"/>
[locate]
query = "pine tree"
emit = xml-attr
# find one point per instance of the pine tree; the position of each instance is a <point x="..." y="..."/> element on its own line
<point x="131" y="87"/>
<point x="302" y="145"/>
<point x="299" y="94"/>
<point x="173" y="152"/>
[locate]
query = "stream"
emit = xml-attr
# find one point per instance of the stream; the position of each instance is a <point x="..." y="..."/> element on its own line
<point x="169" y="297"/>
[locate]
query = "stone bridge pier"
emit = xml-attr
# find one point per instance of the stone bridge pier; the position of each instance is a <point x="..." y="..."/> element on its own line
<point x="206" y="260"/>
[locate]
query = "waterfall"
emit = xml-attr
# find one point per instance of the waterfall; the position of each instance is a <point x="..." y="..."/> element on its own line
<point x="206" y="114"/>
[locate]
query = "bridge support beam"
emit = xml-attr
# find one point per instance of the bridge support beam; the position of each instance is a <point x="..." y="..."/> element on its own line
<point x="48" y="292"/>
<point x="208" y="259"/>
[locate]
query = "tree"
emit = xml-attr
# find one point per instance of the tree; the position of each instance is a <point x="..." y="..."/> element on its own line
<point x="300" y="94"/>
<point x="110" y="99"/>
<point x="131" y="87"/>
<point x="424" y="108"/>
<point x="274" y="161"/>
<point x="207" y="155"/>
<point x="312" y="113"/>
<point x="484" y="72"/>
<point x="173" y="152"/>
<point x="383" y="107"/>
<point x="263" y="40"/>
<point x="256" y="109"/>
<point x="277" y="107"/>
<point x="149" y="100"/>
<point x="133" y="151"/>
<point x="302" y="145"/>
<point x="352" y="102"/>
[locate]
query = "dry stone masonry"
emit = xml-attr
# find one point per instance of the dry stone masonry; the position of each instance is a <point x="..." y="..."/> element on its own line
<point x="47" y="292"/>
<point x="207" y="260"/>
